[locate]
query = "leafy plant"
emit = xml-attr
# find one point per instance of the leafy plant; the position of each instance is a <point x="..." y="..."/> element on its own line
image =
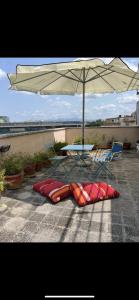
<point x="78" y="140"/>
<point x="40" y="157"/>
<point x="57" y="146"/>
<point x="12" y="164"/>
<point x="27" y="159"/>
<point x="2" y="173"/>
<point x="95" y="140"/>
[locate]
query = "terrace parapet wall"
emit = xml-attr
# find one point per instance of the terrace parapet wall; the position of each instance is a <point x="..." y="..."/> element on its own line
<point x="31" y="142"/>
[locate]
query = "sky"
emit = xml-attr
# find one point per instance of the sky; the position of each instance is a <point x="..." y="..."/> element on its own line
<point x="25" y="106"/>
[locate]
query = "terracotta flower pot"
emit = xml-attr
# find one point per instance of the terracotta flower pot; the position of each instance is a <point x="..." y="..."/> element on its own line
<point x="126" y="146"/>
<point x="14" y="181"/>
<point x="29" y="170"/>
<point x="41" y="165"/>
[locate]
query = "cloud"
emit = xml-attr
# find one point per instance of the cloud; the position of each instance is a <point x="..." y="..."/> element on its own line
<point x="26" y="93"/>
<point x="43" y="96"/>
<point x="58" y="103"/>
<point x="130" y="99"/>
<point x="107" y="60"/>
<point x="38" y="113"/>
<point x="91" y="95"/>
<point x="83" y="58"/>
<point x="23" y="113"/>
<point x="105" y="107"/>
<point x="2" y="74"/>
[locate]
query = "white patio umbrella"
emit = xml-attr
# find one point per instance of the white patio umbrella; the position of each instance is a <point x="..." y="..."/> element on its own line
<point x="76" y="77"/>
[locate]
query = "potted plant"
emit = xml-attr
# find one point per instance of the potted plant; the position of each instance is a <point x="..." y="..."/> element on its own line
<point x="41" y="160"/>
<point x="29" y="165"/>
<point x="2" y="186"/>
<point x="57" y="146"/>
<point x="13" y="167"/>
<point x="78" y="140"/>
<point x="95" y="140"/>
<point x="126" y="145"/>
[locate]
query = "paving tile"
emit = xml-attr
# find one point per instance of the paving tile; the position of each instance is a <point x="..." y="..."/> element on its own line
<point x="6" y="237"/>
<point x="31" y="217"/>
<point x="22" y="237"/>
<point x="80" y="225"/>
<point x="93" y="237"/>
<point x="44" y="209"/>
<point x="56" y="235"/>
<point x="38" y="217"/>
<point x="24" y="195"/>
<point x="28" y="188"/>
<point x="15" y="224"/>
<point x="25" y="205"/>
<point x="131" y="231"/>
<point x="116" y="219"/>
<point x="18" y="211"/>
<point x="11" y="203"/>
<point x="3" y="220"/>
<point x="115" y="229"/>
<point x="50" y="219"/>
<point x="96" y="226"/>
<point x="130" y="221"/>
<point x="65" y="222"/>
<point x="31" y="226"/>
<point x="43" y="237"/>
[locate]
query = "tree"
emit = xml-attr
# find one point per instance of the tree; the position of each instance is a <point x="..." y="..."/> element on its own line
<point x="98" y="122"/>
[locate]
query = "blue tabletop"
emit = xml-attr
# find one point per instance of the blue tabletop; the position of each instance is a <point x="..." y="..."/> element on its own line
<point x="78" y="147"/>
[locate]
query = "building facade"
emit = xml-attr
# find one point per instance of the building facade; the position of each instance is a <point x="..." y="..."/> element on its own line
<point x="122" y="121"/>
<point x="4" y="119"/>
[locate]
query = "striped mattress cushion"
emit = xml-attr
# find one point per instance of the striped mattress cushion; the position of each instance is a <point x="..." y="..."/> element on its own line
<point x="87" y="193"/>
<point x="53" y="189"/>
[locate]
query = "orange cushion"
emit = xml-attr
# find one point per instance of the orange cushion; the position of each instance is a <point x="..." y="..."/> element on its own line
<point x="87" y="193"/>
<point x="60" y="193"/>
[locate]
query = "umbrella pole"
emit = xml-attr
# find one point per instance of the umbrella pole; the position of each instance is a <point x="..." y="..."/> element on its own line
<point x="83" y="106"/>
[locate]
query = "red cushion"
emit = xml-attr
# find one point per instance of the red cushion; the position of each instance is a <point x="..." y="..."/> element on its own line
<point x="39" y="184"/>
<point x="47" y="188"/>
<point x="55" y="190"/>
<point x="87" y="193"/>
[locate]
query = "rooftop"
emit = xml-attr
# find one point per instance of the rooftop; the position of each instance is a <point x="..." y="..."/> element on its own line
<point x="30" y="217"/>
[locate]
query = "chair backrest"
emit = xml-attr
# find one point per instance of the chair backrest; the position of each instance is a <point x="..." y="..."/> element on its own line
<point x="117" y="147"/>
<point x="103" y="156"/>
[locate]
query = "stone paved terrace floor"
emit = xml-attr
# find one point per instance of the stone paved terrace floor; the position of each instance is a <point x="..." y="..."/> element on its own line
<point x="30" y="217"/>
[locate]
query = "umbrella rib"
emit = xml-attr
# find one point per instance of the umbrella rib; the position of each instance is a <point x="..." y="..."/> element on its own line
<point x="118" y="72"/>
<point x="32" y="77"/>
<point x="80" y="81"/>
<point x="52" y="82"/>
<point x="61" y="75"/>
<point x="131" y="81"/>
<point x="87" y="73"/>
<point x="106" y="81"/>
<point x="98" y="75"/>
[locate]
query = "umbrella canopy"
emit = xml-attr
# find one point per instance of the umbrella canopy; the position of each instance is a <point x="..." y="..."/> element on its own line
<point x="80" y="77"/>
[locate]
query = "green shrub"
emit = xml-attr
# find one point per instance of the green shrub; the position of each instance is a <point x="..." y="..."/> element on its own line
<point x="40" y="157"/>
<point x="2" y="173"/>
<point x="57" y="146"/>
<point x="78" y="140"/>
<point x="12" y="164"/>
